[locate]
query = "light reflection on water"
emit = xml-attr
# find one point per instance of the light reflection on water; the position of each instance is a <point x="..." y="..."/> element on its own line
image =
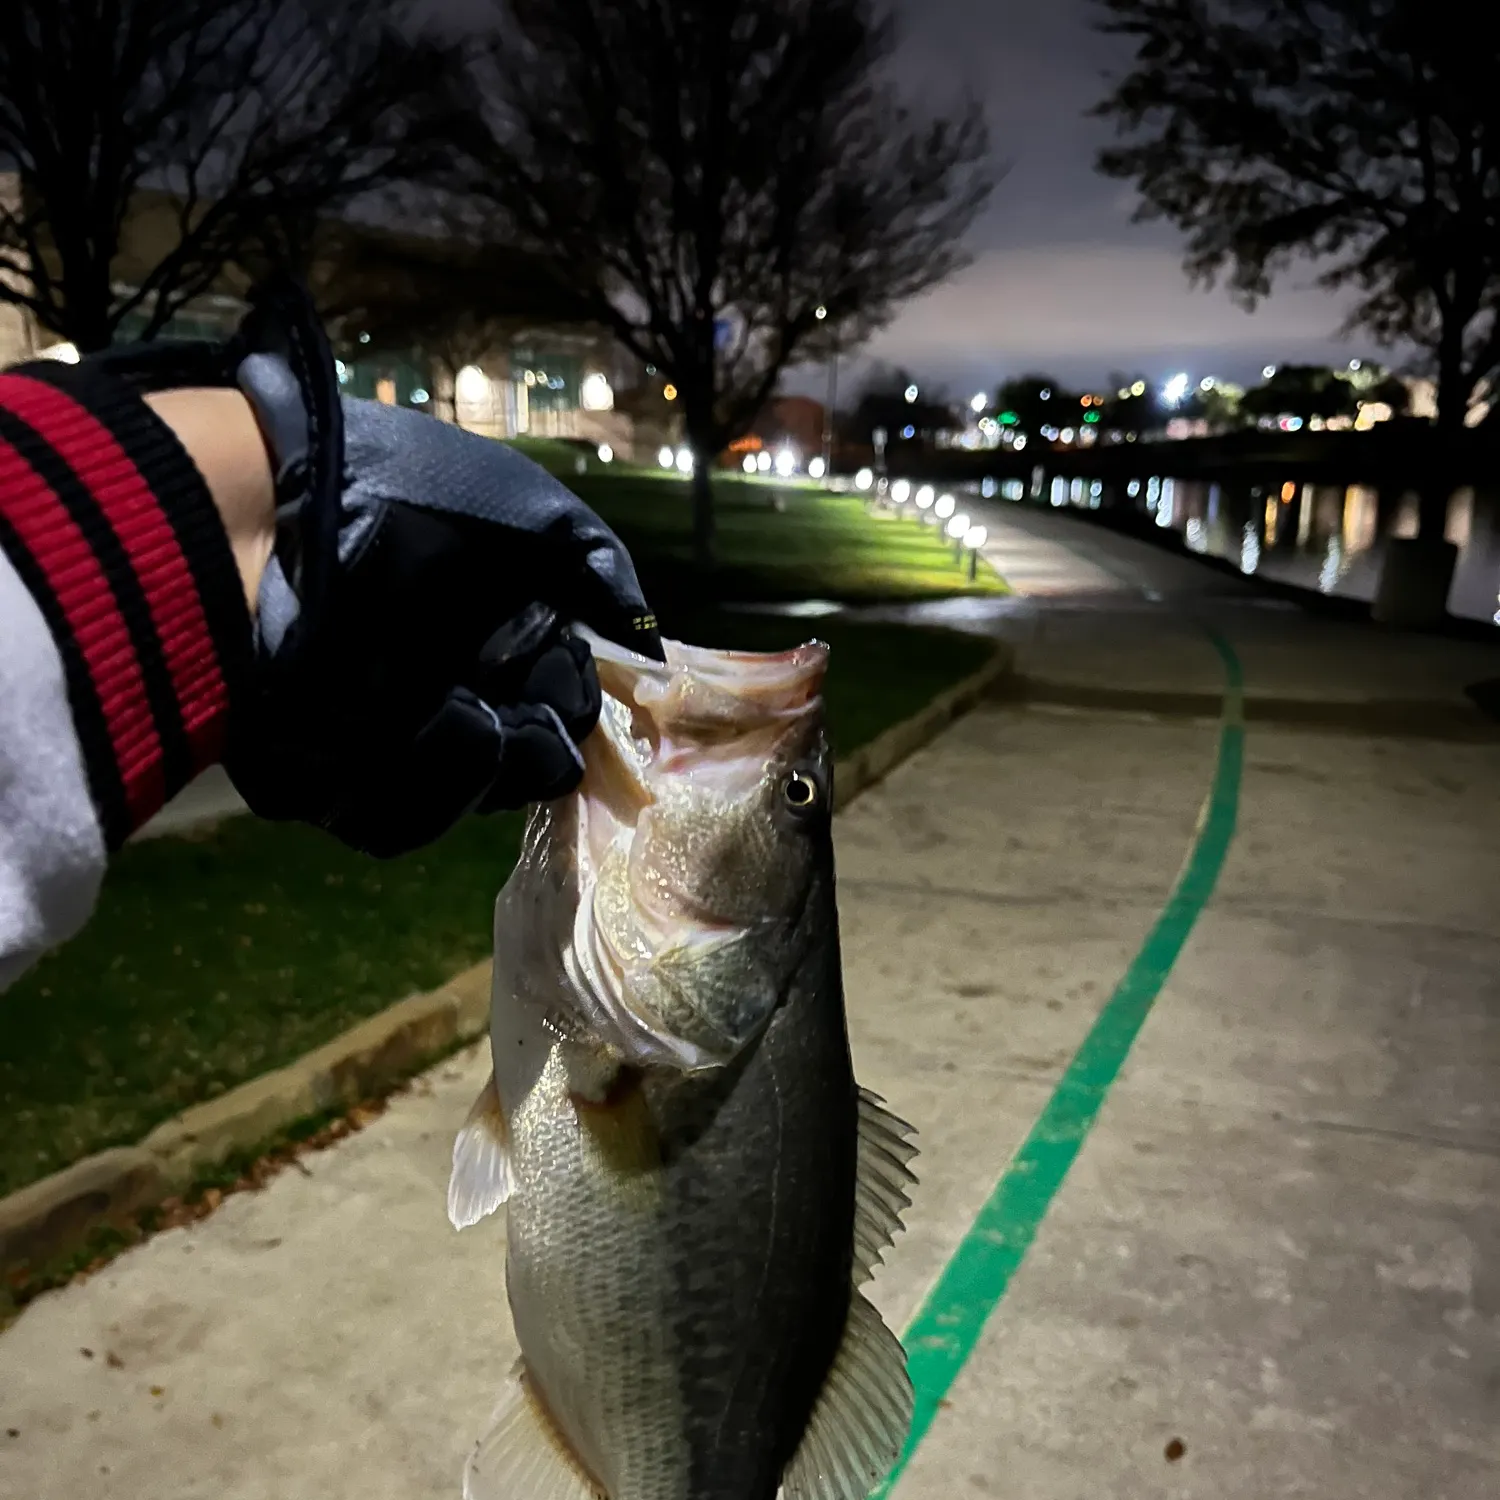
<point x="1324" y="537"/>
<point x="1250" y="548"/>
<point x="1321" y="537"/>
<point x="1333" y="566"/>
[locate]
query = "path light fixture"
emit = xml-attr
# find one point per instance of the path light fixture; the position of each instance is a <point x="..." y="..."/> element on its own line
<point x="864" y="479"/>
<point x="749" y="464"/>
<point x="667" y="459"/>
<point x="606" y="454"/>
<point x="816" y="469"/>
<point x="925" y="496"/>
<point x="956" y="529"/>
<point x="945" y="507"/>
<point x="901" y="491"/>
<point x="974" y="539"/>
<point x="684" y="460"/>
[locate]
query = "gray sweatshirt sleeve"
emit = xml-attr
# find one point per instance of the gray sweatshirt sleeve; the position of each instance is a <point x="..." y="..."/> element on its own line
<point x="51" y="847"/>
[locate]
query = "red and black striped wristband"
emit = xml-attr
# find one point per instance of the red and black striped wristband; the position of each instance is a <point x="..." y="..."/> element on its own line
<point x="111" y="527"/>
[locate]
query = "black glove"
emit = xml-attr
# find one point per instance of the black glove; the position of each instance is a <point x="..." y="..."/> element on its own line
<point x="413" y="657"/>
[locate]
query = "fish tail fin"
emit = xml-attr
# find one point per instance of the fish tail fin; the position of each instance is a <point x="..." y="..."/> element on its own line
<point x="523" y="1456"/>
<point x="481" y="1179"/>
<point x="862" y="1416"/>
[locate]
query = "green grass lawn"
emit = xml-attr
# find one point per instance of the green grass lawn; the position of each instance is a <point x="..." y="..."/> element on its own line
<point x="819" y="544"/>
<point x="215" y="958"/>
<point x="564" y="457"/>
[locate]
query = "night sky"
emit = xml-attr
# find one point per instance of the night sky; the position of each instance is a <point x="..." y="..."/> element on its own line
<point x="1063" y="281"/>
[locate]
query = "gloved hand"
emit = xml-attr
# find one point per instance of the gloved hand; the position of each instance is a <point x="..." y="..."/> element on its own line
<point x="413" y="662"/>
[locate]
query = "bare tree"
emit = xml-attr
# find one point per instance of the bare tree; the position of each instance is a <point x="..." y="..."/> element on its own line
<point x="1363" y="134"/>
<point x="709" y="174"/>
<point x="152" y="142"/>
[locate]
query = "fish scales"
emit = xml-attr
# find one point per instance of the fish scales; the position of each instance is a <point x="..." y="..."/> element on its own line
<point x="683" y="1240"/>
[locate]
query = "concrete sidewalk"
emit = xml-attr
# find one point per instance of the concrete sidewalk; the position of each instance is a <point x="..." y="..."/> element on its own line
<point x="1279" y="1246"/>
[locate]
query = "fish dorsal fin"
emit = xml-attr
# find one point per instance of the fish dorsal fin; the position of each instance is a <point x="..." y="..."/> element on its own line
<point x="481" y="1179"/>
<point x="523" y="1456"/>
<point x="862" y="1416"/>
<point x="880" y="1195"/>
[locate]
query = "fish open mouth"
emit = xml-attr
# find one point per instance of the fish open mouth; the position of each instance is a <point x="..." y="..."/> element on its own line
<point x="715" y="716"/>
<point x="678" y="856"/>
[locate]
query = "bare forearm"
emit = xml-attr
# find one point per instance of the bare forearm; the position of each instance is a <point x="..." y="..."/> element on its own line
<point x="219" y="431"/>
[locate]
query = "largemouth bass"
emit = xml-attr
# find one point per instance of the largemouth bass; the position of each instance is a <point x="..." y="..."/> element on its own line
<point x="697" y="1188"/>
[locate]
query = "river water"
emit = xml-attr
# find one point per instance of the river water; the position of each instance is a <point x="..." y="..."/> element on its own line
<point x="1320" y="537"/>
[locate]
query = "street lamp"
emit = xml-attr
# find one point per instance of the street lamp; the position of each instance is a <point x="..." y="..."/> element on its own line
<point x="979" y="403"/>
<point x="911" y="395"/>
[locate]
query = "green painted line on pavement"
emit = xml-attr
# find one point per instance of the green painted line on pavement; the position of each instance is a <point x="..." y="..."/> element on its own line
<point x="947" y="1326"/>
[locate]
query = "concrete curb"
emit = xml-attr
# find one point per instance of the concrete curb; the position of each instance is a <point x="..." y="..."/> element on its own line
<point x="50" y="1218"/>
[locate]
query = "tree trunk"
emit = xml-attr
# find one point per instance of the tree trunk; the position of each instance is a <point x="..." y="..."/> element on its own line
<point x="703" y="509"/>
<point x="704" y="443"/>
<point x="87" y="299"/>
<point x="1455" y="387"/>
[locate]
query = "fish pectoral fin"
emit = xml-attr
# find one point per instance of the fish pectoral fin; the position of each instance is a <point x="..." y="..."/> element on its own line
<point x="862" y="1416"/>
<point x="481" y="1179"/>
<point x="881" y="1182"/>
<point x="523" y="1456"/>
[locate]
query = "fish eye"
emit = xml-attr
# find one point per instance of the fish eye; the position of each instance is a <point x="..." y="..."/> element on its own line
<point x="800" y="791"/>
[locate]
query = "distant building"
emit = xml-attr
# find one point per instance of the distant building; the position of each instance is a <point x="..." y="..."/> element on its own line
<point x="795" y="421"/>
<point x="1423" y="392"/>
<point x="530" y="377"/>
